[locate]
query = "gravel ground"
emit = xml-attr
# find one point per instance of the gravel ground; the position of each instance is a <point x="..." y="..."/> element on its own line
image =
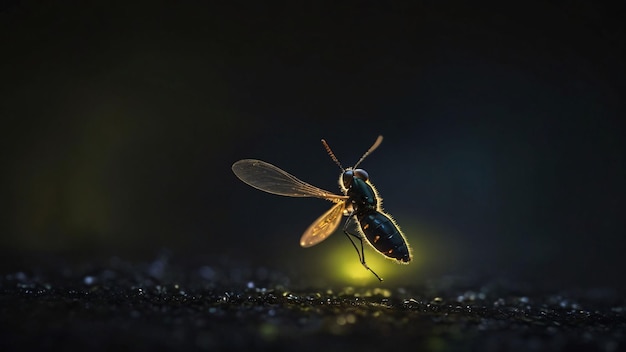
<point x="157" y="306"/>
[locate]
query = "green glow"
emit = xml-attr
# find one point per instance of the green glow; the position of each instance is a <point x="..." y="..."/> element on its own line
<point x="343" y="265"/>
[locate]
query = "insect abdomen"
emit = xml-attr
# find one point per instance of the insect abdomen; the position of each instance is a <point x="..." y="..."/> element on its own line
<point x="384" y="235"/>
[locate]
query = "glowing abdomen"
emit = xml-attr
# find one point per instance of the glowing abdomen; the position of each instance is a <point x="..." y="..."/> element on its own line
<point x="384" y="235"/>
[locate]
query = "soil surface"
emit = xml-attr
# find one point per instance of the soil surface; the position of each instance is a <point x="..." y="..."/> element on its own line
<point x="158" y="307"/>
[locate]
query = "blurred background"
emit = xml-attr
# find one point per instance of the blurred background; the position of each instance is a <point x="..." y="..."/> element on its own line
<point x="503" y="151"/>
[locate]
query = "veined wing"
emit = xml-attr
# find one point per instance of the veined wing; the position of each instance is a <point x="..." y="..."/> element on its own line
<point x="323" y="227"/>
<point x="271" y="179"/>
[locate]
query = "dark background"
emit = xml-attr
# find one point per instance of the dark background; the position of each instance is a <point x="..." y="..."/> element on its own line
<point x="503" y="151"/>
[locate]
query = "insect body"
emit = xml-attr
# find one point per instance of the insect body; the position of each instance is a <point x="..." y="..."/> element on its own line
<point x="379" y="229"/>
<point x="360" y="203"/>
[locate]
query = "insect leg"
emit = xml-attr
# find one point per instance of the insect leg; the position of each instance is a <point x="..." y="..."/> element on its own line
<point x="361" y="253"/>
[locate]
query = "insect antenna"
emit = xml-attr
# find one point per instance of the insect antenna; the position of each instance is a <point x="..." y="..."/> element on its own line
<point x="332" y="155"/>
<point x="369" y="151"/>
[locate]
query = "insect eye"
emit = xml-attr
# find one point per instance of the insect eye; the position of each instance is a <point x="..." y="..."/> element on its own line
<point x="362" y="174"/>
<point x="346" y="178"/>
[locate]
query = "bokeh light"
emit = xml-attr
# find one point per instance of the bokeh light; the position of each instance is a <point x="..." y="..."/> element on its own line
<point x="343" y="266"/>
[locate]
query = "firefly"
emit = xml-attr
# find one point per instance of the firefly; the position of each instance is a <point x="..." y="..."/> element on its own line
<point x="360" y="203"/>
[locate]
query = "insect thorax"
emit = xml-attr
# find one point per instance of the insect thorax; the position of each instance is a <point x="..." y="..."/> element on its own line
<point x="362" y="195"/>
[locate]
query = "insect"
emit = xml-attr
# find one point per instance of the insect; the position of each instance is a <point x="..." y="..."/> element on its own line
<point x="360" y="202"/>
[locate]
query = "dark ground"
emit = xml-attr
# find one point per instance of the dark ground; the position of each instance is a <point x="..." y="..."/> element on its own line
<point x="159" y="306"/>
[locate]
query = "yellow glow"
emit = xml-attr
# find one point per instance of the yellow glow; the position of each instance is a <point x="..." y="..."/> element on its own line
<point x="340" y="264"/>
<point x="343" y="264"/>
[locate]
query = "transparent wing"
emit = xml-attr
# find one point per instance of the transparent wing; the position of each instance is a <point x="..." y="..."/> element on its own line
<point x="271" y="179"/>
<point x="323" y="227"/>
